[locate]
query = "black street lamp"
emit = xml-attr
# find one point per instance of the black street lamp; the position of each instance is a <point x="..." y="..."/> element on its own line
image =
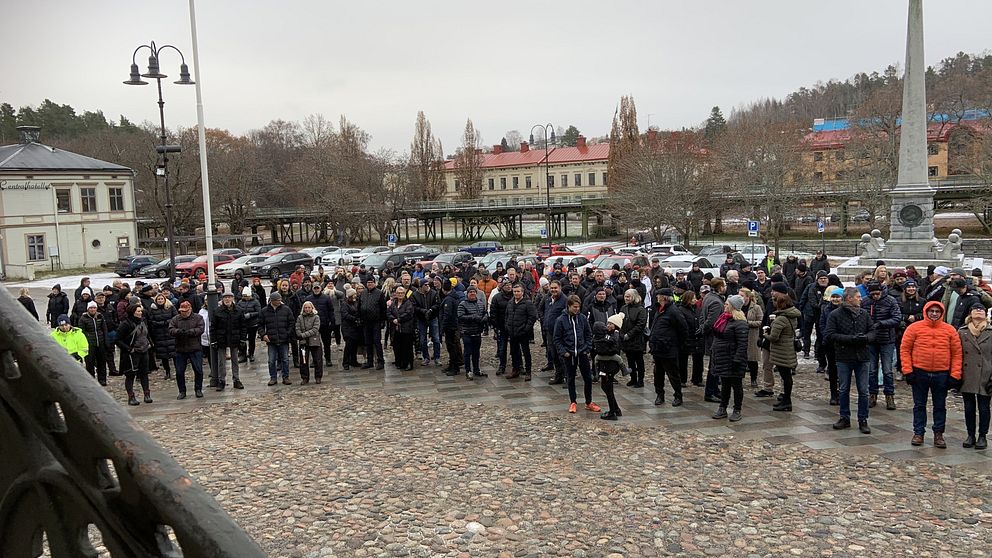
<point x="549" y="139"/>
<point x="163" y="149"/>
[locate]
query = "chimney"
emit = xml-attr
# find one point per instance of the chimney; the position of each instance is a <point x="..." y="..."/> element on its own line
<point x="29" y="134"/>
<point x="652" y="136"/>
<point x="524" y="148"/>
<point x="497" y="149"/>
<point x="580" y="141"/>
<point x="478" y="151"/>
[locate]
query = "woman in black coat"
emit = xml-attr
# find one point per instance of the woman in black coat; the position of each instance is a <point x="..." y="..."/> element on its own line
<point x="159" y="314"/>
<point x="403" y="321"/>
<point x="632" y="338"/>
<point x="729" y="355"/>
<point x="351" y="328"/>
<point x="27" y="302"/>
<point x="689" y="306"/>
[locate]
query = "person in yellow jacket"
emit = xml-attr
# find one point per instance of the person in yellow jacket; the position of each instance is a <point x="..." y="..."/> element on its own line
<point x="72" y="339"/>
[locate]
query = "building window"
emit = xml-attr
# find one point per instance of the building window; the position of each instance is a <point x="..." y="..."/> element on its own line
<point x="564" y="181"/>
<point x="63" y="200"/>
<point x="527" y="183"/>
<point x="933" y="149"/>
<point x="502" y="183"/>
<point x="604" y="179"/>
<point x="87" y="199"/>
<point x="551" y="181"/>
<point x="931" y="171"/>
<point x="516" y="182"/>
<point x="36" y="247"/>
<point x="578" y="179"/>
<point x="817" y="177"/>
<point x="117" y="199"/>
<point x="817" y="155"/>
<point x="457" y="184"/>
<point x="841" y="175"/>
<point x="492" y="183"/>
<point x="592" y="179"/>
<point x="839" y="155"/>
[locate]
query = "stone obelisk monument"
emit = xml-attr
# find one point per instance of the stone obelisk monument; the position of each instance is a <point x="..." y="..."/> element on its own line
<point x="911" y="217"/>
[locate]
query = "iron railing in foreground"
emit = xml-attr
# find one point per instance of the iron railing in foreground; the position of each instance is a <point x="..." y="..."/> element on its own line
<point x="73" y="462"/>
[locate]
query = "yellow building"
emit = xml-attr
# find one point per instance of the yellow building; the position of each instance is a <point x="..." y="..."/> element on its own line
<point x="518" y="177"/>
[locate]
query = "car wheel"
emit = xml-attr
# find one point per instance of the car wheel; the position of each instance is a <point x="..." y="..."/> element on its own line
<point x="198" y="271"/>
<point x="162" y="274"/>
<point x="122" y="274"/>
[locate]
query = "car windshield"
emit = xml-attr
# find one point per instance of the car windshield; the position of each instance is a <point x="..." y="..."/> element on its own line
<point x="200" y="259"/>
<point x="445" y="258"/>
<point x="377" y="260"/>
<point x="243" y="259"/>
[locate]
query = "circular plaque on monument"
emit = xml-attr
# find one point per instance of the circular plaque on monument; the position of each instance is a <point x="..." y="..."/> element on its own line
<point x="911" y="215"/>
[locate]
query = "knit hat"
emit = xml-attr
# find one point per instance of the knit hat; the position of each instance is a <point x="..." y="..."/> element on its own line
<point x="683" y="285"/>
<point x="227" y="294"/>
<point x="777" y="278"/>
<point x="147" y="289"/>
<point x="941" y="271"/>
<point x="874" y="286"/>
<point x="91" y="305"/>
<point x="801" y="267"/>
<point x="736" y="302"/>
<point x="704" y="289"/>
<point x="471" y="290"/>
<point x="608" y="284"/>
<point x="616" y="319"/>
<point x="454" y="281"/>
<point x="664" y="292"/>
<point x="544" y="281"/>
<point x="821" y="273"/>
<point x="246" y="291"/>
<point x="977" y="272"/>
<point x="780" y="288"/>
<point x="959" y="271"/>
<point x="832" y="291"/>
<point x="275" y="296"/>
<point x="62" y="319"/>
<point x="909" y="283"/>
<point x="86" y="291"/>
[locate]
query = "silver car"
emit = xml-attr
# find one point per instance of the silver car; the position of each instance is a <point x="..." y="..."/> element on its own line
<point x="238" y="268"/>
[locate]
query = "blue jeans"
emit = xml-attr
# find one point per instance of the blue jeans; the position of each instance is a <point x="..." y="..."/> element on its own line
<point x="502" y="339"/>
<point x="194" y="358"/>
<point x="473" y="344"/>
<point x="924" y="384"/>
<point x="278" y="357"/>
<point x="859" y="370"/>
<point x="886" y="353"/>
<point x="425" y="328"/>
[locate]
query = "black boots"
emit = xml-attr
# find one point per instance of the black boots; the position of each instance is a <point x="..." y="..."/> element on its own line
<point x="148" y="397"/>
<point x="132" y="400"/>
<point x="783" y="405"/>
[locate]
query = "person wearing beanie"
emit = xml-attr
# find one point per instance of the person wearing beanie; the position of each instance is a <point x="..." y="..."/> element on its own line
<point x="978" y="282"/>
<point x="617" y="323"/>
<point x="70" y="338"/>
<point x="886" y="316"/>
<point x="351" y="328"/>
<point x="754" y="314"/>
<point x="372" y="306"/>
<point x="58" y="304"/>
<point x="276" y="326"/>
<point x="849" y="329"/>
<point x="250" y="309"/>
<point x="810" y="302"/>
<point x="709" y="312"/>
<point x="227" y="332"/>
<point x="472" y="320"/>
<point x="448" y="322"/>
<point x="84" y="284"/>
<point x="728" y="356"/>
<point x="94" y="327"/>
<point x="606" y="344"/>
<point x="831" y="300"/>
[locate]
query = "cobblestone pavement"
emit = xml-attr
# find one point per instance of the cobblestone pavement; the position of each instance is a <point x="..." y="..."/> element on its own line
<point x="419" y="464"/>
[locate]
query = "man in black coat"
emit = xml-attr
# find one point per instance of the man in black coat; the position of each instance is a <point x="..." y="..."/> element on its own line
<point x="58" y="304"/>
<point x="497" y="317"/>
<point x="427" y="306"/>
<point x="810" y="298"/>
<point x="450" y="329"/>
<point x="227" y="329"/>
<point x="325" y="310"/>
<point x="95" y="328"/>
<point x="850" y="330"/>
<point x="521" y="315"/>
<point x="372" y="308"/>
<point x="668" y="334"/>
<point x="277" y="325"/>
<point x="554" y="307"/>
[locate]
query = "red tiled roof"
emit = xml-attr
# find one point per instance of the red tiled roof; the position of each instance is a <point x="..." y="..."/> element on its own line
<point x="559" y="155"/>
<point x="837" y="139"/>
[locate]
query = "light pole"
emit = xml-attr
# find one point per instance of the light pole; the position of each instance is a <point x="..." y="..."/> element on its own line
<point x="548" y="140"/>
<point x="163" y="149"/>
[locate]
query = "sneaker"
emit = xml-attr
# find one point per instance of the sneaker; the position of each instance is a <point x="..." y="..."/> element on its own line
<point x="806" y="356"/>
<point x="469" y="375"/>
<point x="572" y="408"/>
<point x="863" y="427"/>
<point x="425" y="362"/>
<point x="842" y="423"/>
<point x="711" y="399"/>
<point x="437" y="362"/>
<point x="720" y="413"/>
<point x="593" y="407"/>
<point x="555" y="381"/>
<point x="821" y="370"/>
<point x="735" y="416"/>
<point x="764" y="393"/>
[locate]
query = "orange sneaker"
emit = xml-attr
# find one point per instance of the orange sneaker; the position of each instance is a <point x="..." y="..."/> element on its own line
<point x="571" y="408"/>
<point x="593" y="407"/>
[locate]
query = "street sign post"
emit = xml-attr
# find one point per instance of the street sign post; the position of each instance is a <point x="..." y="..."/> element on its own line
<point x="821" y="228"/>
<point x="391" y="240"/>
<point x="752" y="228"/>
<point x="544" y="233"/>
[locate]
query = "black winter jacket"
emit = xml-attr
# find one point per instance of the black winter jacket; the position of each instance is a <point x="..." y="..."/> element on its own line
<point x="58" y="304"/>
<point x="850" y="330"/>
<point x="472" y="317"/>
<point x="572" y="335"/>
<point x="372" y="306"/>
<point x="324" y="307"/>
<point x="278" y="323"/>
<point x="886" y="315"/>
<point x="449" y="312"/>
<point x="187" y="332"/>
<point x="405" y="314"/>
<point x="250" y="312"/>
<point x="227" y="326"/>
<point x="497" y="314"/>
<point x="95" y="329"/>
<point x="693" y="341"/>
<point x="351" y="321"/>
<point x="729" y="351"/>
<point x="668" y="331"/>
<point x="520" y="318"/>
<point x="158" y="318"/>
<point x="426" y="306"/>
<point x="635" y="324"/>
<point x="553" y="309"/>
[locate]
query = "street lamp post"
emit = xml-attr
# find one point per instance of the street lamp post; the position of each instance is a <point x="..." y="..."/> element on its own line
<point x="163" y="149"/>
<point x="548" y="141"/>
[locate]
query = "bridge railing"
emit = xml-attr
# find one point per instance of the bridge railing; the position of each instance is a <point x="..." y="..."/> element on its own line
<point x="76" y="471"/>
<point x="535" y="200"/>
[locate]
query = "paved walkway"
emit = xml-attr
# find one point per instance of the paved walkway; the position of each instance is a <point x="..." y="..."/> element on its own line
<point x="809" y="424"/>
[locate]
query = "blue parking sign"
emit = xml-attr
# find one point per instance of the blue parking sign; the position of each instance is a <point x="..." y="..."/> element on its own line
<point x="752" y="228"/>
<point x="820" y="227"/>
<point x="391" y="239"/>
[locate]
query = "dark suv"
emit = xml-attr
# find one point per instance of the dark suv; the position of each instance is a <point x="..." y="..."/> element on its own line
<point x="128" y="266"/>
<point x="282" y="264"/>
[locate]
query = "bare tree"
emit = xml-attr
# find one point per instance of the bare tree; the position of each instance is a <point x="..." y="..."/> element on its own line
<point x="514" y="139"/>
<point x="872" y="153"/>
<point x="468" y="163"/>
<point x="624" y="140"/>
<point x="426" y="161"/>
<point x="235" y="178"/>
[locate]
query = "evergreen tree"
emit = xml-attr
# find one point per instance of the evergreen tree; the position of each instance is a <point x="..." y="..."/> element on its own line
<point x="504" y="145"/>
<point x="715" y="125"/>
<point x="8" y="124"/>
<point x="569" y="137"/>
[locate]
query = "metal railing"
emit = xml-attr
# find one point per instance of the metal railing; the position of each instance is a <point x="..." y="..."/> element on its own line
<point x="74" y="462"/>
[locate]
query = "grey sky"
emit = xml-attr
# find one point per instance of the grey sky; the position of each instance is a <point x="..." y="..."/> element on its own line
<point x="507" y="65"/>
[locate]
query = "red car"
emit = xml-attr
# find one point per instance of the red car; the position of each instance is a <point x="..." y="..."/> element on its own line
<point x="555" y="250"/>
<point x="279" y="250"/>
<point x="199" y="265"/>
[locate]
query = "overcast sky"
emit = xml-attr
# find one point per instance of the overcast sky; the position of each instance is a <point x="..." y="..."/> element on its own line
<point x="506" y="64"/>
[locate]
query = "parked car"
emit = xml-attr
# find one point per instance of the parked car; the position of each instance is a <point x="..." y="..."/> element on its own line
<point x="239" y="267"/>
<point x="607" y="261"/>
<point x="453" y="259"/>
<point x="408" y="248"/>
<point x="236" y="252"/>
<point x="258" y="250"/>
<point x="579" y="261"/>
<point x="379" y="261"/>
<point x="861" y="216"/>
<point x="284" y="263"/>
<point x="684" y="263"/>
<point x="490" y="259"/>
<point x="482" y="248"/>
<point x="341" y="256"/>
<point x="754" y="253"/>
<point x="426" y="253"/>
<point x="282" y="250"/>
<point x="161" y="269"/>
<point x="130" y="265"/>
<point x="319" y="251"/>
<point x="359" y="257"/>
<point x="808" y="219"/>
<point x="715" y="251"/>
<point x="199" y="265"/>
<point x="555" y="250"/>
<point x="629" y="251"/>
<point x="663" y="250"/>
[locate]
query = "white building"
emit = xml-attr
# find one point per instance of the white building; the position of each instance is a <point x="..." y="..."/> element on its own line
<point x="61" y="208"/>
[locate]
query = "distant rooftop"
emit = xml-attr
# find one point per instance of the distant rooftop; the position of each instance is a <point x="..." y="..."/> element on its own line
<point x="31" y="155"/>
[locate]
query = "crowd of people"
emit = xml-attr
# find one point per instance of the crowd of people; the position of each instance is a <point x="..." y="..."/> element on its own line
<point x="930" y="330"/>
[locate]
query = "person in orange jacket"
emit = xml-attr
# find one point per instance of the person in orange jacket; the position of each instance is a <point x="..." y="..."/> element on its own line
<point x="931" y="364"/>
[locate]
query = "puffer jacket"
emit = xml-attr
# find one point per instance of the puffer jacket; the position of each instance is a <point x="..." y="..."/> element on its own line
<point x="351" y="324"/>
<point x="635" y="324"/>
<point x="693" y="341"/>
<point x="186" y="331"/>
<point x="781" y="338"/>
<point x="553" y="309"/>
<point x="58" y="304"/>
<point x="886" y="315"/>
<point x="497" y="314"/>
<point x="976" y="360"/>
<point x="427" y="306"/>
<point x="849" y="330"/>
<point x="95" y="329"/>
<point x="931" y="345"/>
<point x="600" y="311"/>
<point x="325" y="308"/>
<point x="755" y="318"/>
<point x="158" y="318"/>
<point x="250" y="310"/>
<point x="406" y="314"/>
<point x="372" y="305"/>
<point x="308" y="329"/>
<point x="278" y="323"/>
<point x="520" y="319"/>
<point x="910" y="307"/>
<point x="668" y="331"/>
<point x="472" y="317"/>
<point x="449" y="312"/>
<point x="729" y="350"/>
<point x="227" y="326"/>
<point x="572" y="335"/>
